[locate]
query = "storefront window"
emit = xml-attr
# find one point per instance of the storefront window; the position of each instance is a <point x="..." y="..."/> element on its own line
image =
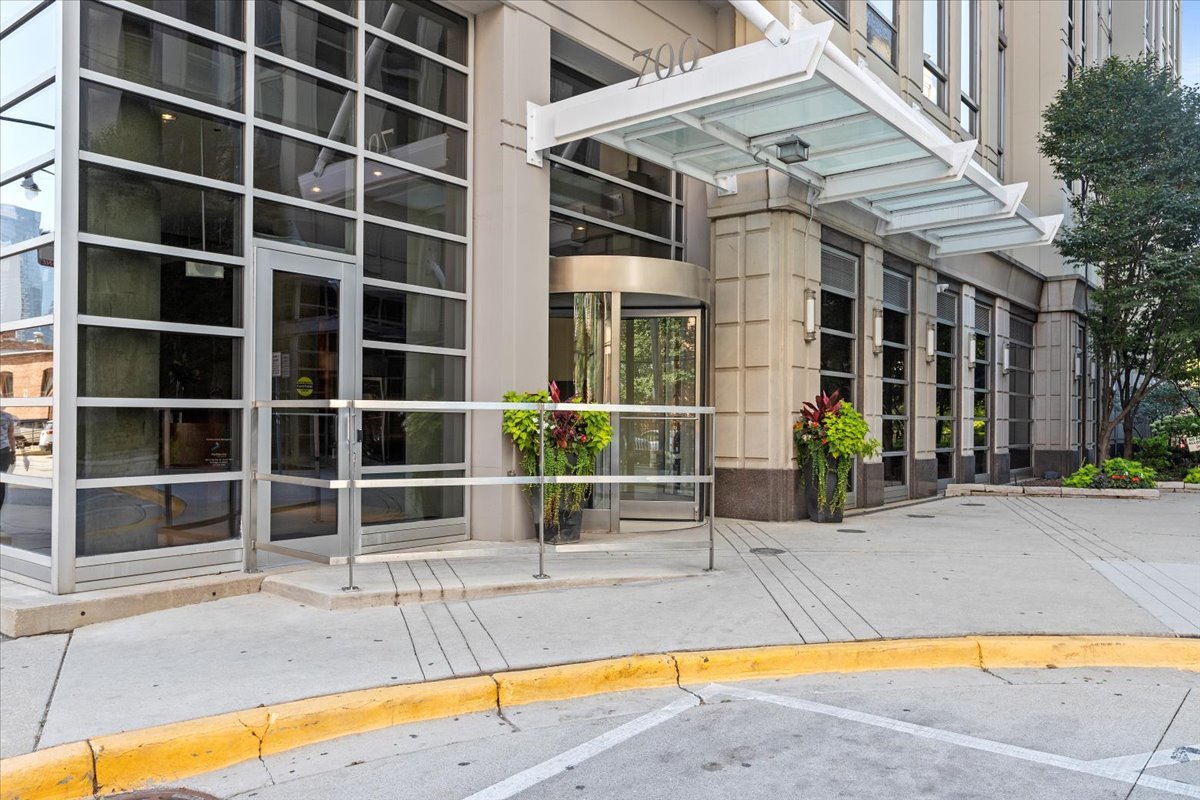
<point x="946" y="384"/>
<point x="839" y="280"/>
<point x="896" y="381"/>
<point x="402" y="134"/>
<point x="125" y="519"/>
<point x="411" y="318"/>
<point x="396" y="255"/>
<point x="981" y="423"/>
<point x="416" y="79"/>
<point x="219" y="16"/>
<point x="28" y="282"/>
<point x="301" y="34"/>
<point x="120" y="442"/>
<point x="424" y="24"/>
<point x="27" y="129"/>
<point x="1020" y="393"/>
<point x="310" y="105"/>
<point x="28" y="52"/>
<point x="303" y="226"/>
<point x="127" y="362"/>
<point x="303" y="170"/>
<point x="405" y="196"/>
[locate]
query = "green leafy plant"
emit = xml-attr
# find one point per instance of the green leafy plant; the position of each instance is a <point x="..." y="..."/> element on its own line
<point x="1154" y="452"/>
<point x="1083" y="477"/>
<point x="572" y="441"/>
<point x="830" y="429"/>
<point x="1193" y="475"/>
<point x="1123" y="473"/>
<point x="1177" y="427"/>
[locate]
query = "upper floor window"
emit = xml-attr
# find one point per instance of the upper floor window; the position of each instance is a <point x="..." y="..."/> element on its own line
<point x="933" y="43"/>
<point x="881" y="29"/>
<point x="968" y="68"/>
<point x="838" y="8"/>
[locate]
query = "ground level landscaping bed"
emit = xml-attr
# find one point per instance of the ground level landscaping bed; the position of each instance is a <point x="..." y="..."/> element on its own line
<point x="969" y="489"/>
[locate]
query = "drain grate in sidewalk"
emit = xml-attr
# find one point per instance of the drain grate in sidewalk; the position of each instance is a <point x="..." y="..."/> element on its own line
<point x="767" y="551"/>
<point x="165" y="794"/>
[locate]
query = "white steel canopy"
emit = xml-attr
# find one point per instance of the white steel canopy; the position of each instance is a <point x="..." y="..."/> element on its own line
<point x="804" y="109"/>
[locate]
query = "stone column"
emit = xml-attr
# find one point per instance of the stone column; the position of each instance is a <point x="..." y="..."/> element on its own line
<point x="923" y="399"/>
<point x="510" y="254"/>
<point x="1055" y="426"/>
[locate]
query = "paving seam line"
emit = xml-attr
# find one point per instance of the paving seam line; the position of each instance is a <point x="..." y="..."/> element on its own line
<point x="169" y="753"/>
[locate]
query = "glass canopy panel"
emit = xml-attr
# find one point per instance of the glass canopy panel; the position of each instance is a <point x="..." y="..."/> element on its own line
<point x="919" y="190"/>
<point x="765" y="118"/>
<point x="928" y="199"/>
<point x="681" y="139"/>
<point x="761" y="99"/>
<point x="994" y="226"/>
<point x="895" y="153"/>
<point x="851" y="132"/>
<point x="725" y="160"/>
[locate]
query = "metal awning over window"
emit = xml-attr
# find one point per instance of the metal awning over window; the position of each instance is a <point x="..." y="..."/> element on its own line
<point x="804" y="109"/>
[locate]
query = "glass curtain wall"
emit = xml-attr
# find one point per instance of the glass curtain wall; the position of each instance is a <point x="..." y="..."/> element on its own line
<point x="355" y="143"/>
<point x="1020" y="396"/>
<point x="946" y="386"/>
<point x="604" y="201"/>
<point x="897" y="378"/>
<point x="29" y="213"/>
<point x="982" y="391"/>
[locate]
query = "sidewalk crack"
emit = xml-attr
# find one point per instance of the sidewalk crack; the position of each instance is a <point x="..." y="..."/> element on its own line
<point x="37" y="739"/>
<point x="679" y="683"/>
<point x="500" y="711"/>
<point x="984" y="669"/>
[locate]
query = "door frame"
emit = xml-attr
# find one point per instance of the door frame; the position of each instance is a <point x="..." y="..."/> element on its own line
<point x="268" y="261"/>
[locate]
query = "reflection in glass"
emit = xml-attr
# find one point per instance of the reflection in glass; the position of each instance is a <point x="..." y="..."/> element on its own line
<point x="302" y="169"/>
<point x="894" y="362"/>
<point x="28" y="52"/>
<point x="134" y="48"/>
<point x="391" y="438"/>
<point x="945" y="433"/>
<point x="220" y="16"/>
<point x="405" y="196"/>
<point x="391" y="254"/>
<point x="29" y="207"/>
<point x="594" y="197"/>
<point x="122" y="124"/>
<point x="136" y="285"/>
<point x="301" y="34"/>
<point x="25" y="514"/>
<point x="11" y="9"/>
<point x="300" y="101"/>
<point x="893" y="470"/>
<point x="893" y="435"/>
<point x="305" y="331"/>
<point x="836" y="353"/>
<point x="407" y="318"/>
<point x="945" y="466"/>
<point x="128" y="518"/>
<point x="119" y="442"/>
<point x="303" y="226"/>
<point x="945" y="402"/>
<point x="347" y="7"/>
<point x="126" y="362"/>
<point x="837" y="312"/>
<point x="945" y="370"/>
<point x="570" y="236"/>
<point x="424" y="24"/>
<point x="27" y="129"/>
<point x="403" y="74"/>
<point x="838" y="383"/>
<point x="304" y="444"/>
<point x="895" y="326"/>
<point x="399" y="375"/>
<point x="27" y="366"/>
<point x="27" y="285"/>
<point x="893" y="399"/>
<point x="405" y="135"/>
<point x="129" y="205"/>
<point x="391" y="506"/>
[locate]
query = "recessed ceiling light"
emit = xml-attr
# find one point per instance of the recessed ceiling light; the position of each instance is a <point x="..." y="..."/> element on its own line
<point x="316" y="189"/>
<point x="167" y="117"/>
<point x="378" y="173"/>
<point x="580" y="228"/>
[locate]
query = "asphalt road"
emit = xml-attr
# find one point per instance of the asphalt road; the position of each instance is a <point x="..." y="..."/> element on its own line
<point x="952" y="734"/>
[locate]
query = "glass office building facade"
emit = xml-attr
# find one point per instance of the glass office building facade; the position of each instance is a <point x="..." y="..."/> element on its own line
<point x="229" y="226"/>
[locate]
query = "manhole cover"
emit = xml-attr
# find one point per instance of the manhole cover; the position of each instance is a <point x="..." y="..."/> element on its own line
<point x="981" y="505"/>
<point x="921" y="516"/>
<point x="766" y="551"/>
<point x="165" y="794"/>
<point x="850" y="530"/>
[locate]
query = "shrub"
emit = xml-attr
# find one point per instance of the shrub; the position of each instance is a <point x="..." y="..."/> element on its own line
<point x="1122" y="473"/>
<point x="1193" y="475"/>
<point x="1177" y="427"/>
<point x="1083" y="477"/>
<point x="1154" y="452"/>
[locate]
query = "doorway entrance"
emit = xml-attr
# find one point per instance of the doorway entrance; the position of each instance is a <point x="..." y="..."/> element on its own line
<point x="632" y="331"/>
<point x="306" y="357"/>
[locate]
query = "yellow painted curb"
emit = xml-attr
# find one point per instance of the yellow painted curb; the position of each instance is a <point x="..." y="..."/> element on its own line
<point x="56" y="773"/>
<point x="304" y="722"/>
<point x="169" y="753"/>
<point x="130" y="760"/>
<point x="749" y="663"/>
<point x="1037" y="652"/>
<point x="588" y="678"/>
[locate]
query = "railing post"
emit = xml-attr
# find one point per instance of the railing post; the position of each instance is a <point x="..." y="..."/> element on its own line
<point x="351" y="437"/>
<point x="541" y="512"/>
<point x="712" y="488"/>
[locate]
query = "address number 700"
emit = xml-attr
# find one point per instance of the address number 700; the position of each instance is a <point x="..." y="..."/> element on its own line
<point x="672" y="65"/>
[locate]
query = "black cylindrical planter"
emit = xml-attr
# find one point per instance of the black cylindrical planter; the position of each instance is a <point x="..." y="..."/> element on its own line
<point x="830" y="514"/>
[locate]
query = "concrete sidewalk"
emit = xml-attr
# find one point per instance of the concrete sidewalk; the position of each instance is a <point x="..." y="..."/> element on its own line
<point x="977" y="565"/>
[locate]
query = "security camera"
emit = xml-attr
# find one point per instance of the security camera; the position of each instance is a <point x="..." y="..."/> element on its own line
<point x="941" y="287"/>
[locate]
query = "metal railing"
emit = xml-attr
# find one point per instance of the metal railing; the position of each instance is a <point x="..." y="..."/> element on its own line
<point x="349" y="432"/>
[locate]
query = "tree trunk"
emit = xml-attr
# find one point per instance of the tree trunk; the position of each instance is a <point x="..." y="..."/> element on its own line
<point x="1127" y="427"/>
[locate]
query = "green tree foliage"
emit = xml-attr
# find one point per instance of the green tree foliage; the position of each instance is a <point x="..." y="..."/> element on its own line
<point x="1125" y="135"/>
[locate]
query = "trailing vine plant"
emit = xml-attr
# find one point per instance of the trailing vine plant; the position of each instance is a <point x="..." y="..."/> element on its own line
<point x="831" y="429"/>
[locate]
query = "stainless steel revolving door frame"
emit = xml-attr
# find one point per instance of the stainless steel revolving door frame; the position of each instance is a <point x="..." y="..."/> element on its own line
<point x="637" y="287"/>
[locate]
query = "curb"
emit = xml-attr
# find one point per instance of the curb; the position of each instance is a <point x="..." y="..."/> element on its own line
<point x="167" y="753"/>
<point x="1012" y="490"/>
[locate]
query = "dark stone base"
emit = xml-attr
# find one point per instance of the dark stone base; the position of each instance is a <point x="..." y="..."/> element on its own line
<point x="1001" y="473"/>
<point x="964" y="468"/>
<point x="1063" y="462"/>
<point x="762" y="494"/>
<point x="870" y="485"/>
<point x="924" y="477"/>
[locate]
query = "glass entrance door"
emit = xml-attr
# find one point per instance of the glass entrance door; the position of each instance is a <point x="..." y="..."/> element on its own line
<point x="306" y="359"/>
<point x="659" y="366"/>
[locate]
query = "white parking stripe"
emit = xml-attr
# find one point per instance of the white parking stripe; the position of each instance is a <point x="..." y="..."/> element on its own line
<point x="577" y="755"/>
<point x="1159" y="758"/>
<point x="1100" y="769"/>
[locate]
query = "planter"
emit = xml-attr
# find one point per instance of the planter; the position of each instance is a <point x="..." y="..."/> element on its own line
<point x="564" y="530"/>
<point x="811" y="492"/>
